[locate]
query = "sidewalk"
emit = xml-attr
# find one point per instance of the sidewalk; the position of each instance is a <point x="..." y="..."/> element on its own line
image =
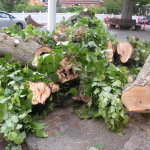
<point x="67" y="132"/>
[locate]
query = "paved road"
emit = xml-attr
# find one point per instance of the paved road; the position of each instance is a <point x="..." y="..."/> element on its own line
<point x="122" y="34"/>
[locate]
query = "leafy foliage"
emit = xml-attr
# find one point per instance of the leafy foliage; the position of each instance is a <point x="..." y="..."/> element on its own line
<point x="45" y="37"/>
<point x="87" y="50"/>
<point x="15" y="101"/>
<point x="74" y="8"/>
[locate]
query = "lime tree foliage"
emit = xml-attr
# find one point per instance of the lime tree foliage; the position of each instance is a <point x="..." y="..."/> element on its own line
<point x="86" y="48"/>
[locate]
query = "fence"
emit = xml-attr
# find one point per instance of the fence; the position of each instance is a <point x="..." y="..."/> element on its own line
<point x="42" y="17"/>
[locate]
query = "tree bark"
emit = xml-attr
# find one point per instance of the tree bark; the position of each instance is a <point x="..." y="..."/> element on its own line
<point x="23" y="51"/>
<point x="135" y="96"/>
<point x="127" y="9"/>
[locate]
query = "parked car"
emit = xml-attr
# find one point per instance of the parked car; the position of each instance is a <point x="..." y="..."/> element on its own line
<point x="141" y="21"/>
<point x="7" y="20"/>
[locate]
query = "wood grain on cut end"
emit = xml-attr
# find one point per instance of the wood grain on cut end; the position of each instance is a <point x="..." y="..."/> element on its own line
<point x="124" y="49"/>
<point x="137" y="99"/>
<point x="42" y="50"/>
<point x="110" y="53"/>
<point x="41" y="92"/>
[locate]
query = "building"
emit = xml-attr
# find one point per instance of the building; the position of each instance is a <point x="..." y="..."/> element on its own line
<point x="86" y="3"/>
<point x="37" y="2"/>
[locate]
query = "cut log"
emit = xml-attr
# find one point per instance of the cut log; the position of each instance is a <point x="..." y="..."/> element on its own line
<point x="66" y="72"/>
<point x="110" y="51"/>
<point x="41" y="91"/>
<point x="42" y="50"/>
<point x="133" y="37"/>
<point x="29" y="20"/>
<point x="135" y="96"/>
<point x="23" y="51"/>
<point x="124" y="49"/>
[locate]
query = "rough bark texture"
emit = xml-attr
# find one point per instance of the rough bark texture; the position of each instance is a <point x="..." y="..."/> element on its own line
<point x="21" y="50"/>
<point x="124" y="49"/>
<point x="127" y="9"/>
<point x="136" y="95"/>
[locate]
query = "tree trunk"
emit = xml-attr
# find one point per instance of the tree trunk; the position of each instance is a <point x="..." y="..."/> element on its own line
<point x="127" y="9"/>
<point x="23" y="51"/>
<point x="136" y="95"/>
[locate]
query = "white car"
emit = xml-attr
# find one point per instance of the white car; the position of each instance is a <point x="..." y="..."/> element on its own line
<point x="7" y="20"/>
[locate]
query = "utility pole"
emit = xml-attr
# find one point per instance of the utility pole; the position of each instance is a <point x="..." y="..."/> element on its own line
<point x="51" y="24"/>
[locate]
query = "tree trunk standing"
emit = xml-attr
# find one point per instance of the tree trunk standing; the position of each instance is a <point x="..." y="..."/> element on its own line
<point x="127" y="9"/>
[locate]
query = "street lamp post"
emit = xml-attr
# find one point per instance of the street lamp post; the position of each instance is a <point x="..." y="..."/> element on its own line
<point x="51" y="24"/>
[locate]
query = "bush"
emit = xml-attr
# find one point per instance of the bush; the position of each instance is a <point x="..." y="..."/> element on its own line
<point x="74" y="8"/>
<point x="35" y="8"/>
<point x="20" y="8"/>
<point x="61" y="10"/>
<point x="101" y="10"/>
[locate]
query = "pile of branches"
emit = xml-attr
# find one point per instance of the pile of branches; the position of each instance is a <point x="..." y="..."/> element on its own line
<point x="80" y="60"/>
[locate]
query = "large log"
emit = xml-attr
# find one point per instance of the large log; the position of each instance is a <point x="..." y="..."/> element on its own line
<point x="136" y="95"/>
<point x="23" y="51"/>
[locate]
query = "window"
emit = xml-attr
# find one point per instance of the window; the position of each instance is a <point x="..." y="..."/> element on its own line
<point x="63" y="6"/>
<point x="92" y="5"/>
<point x="72" y="4"/>
<point x="3" y="15"/>
<point x="82" y="4"/>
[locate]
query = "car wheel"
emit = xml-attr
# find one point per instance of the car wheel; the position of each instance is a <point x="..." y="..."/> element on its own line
<point x="19" y="25"/>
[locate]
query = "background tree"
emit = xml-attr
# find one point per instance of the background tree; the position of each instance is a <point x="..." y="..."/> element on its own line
<point x="113" y="6"/>
<point x="9" y="5"/>
<point x="127" y="10"/>
<point x="58" y="4"/>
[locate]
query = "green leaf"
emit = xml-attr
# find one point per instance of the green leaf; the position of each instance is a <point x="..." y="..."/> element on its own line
<point x="19" y="126"/>
<point x="39" y="133"/>
<point x="18" y="140"/>
<point x="107" y="89"/>
<point x="18" y="78"/>
<point x="8" y="91"/>
<point x="73" y="91"/>
<point x="14" y="119"/>
<point x="8" y="56"/>
<point x="120" y="134"/>
<point x="100" y="146"/>
<point x="35" y="125"/>
<point x="117" y="84"/>
<point x="12" y="136"/>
